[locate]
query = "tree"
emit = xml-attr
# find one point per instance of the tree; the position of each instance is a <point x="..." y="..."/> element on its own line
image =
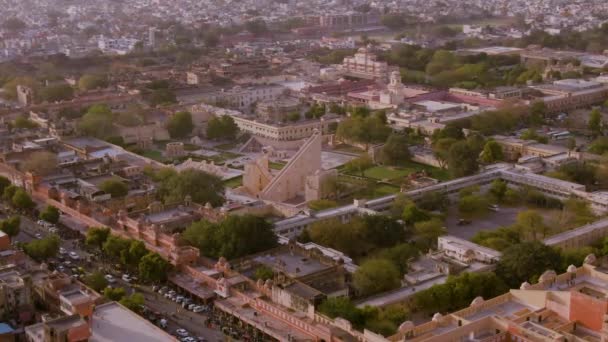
<point x="54" y="93"/>
<point x="115" y="187"/>
<point x="383" y="231"/>
<point x="43" y="249"/>
<point x="134" y="302"/>
<point x="202" y="187"/>
<point x="115" y="245"/>
<point x="21" y="200"/>
<point x="91" y="81"/>
<point x="531" y="222"/>
<point x="153" y="268"/>
<point x="395" y="151"/>
<point x="359" y="165"/>
<point x="412" y="214"/>
<point x="394" y="21"/>
<point x="498" y="189"/>
<point x="375" y="276"/>
<point x="41" y="163"/>
<point x="458" y="291"/>
<point x="538" y="110"/>
<point x="132" y="256"/>
<point x="256" y="27"/>
<point x="348" y="238"/>
<point x="400" y="255"/>
<point x="98" y="121"/>
<point x="4" y="183"/>
<point x="162" y="96"/>
<point x="427" y="232"/>
<point x="11" y="226"/>
<point x="526" y="262"/>
<point x="344" y="308"/>
<point x="50" y="214"/>
<point x="234" y="237"/>
<point x="23" y="122"/>
<point x="9" y="192"/>
<point x="595" y="122"/>
<point x="263" y="272"/>
<point x="180" y="125"/>
<point x="462" y="159"/>
<point x="97" y="236"/>
<point x="492" y="152"/>
<point x="222" y="127"/>
<point x="471" y="205"/>
<point x="96" y="281"/>
<point x="114" y="294"/>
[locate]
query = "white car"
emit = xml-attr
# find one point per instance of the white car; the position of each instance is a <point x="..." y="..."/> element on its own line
<point x="198" y="309"/>
<point x="38" y="236"/>
<point x="126" y="278"/>
<point x="110" y="278"/>
<point x="192" y="306"/>
<point x="182" y="332"/>
<point x="74" y="256"/>
<point x="62" y="250"/>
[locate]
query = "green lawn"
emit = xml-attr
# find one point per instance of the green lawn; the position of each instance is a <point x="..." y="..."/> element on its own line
<point x="227" y="146"/>
<point x="397" y="173"/>
<point x="275" y="165"/>
<point x="388" y="173"/>
<point x="154" y="154"/>
<point x="234" y="182"/>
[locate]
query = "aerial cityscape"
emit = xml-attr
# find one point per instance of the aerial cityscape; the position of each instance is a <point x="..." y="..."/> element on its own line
<point x="304" y="170"/>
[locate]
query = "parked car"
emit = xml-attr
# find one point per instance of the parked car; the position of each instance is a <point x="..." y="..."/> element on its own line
<point x="62" y="250"/>
<point x="74" y="256"/>
<point x="198" y="309"/>
<point x="191" y="307"/>
<point x="110" y="278"/>
<point x="182" y="332"/>
<point x="38" y="236"/>
<point x="126" y="278"/>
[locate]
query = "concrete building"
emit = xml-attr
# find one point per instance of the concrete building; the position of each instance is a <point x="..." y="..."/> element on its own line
<point x="569" y="94"/>
<point x="244" y="98"/>
<point x="567" y="307"/>
<point x="298" y="181"/>
<point x="286" y="131"/>
<point x="364" y="64"/>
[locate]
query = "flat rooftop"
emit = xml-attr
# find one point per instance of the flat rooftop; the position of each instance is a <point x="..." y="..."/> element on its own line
<point x="295" y="265"/>
<point x="112" y="322"/>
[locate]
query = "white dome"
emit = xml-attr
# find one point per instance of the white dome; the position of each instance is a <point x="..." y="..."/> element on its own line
<point x="477" y="301"/>
<point x="571" y="269"/>
<point x="437" y="317"/>
<point x="590" y="259"/>
<point x="407" y="325"/>
<point x="524" y="286"/>
<point x="549" y="275"/>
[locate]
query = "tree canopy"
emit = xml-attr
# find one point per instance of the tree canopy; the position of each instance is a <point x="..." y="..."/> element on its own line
<point x="115" y="187"/>
<point x="526" y="262"/>
<point x="92" y="81"/>
<point x="375" y="276"/>
<point x="234" y="237"/>
<point x="222" y="127"/>
<point x="50" y="214"/>
<point x="396" y="150"/>
<point x="98" y="121"/>
<point x="180" y="125"/>
<point x="201" y="186"/>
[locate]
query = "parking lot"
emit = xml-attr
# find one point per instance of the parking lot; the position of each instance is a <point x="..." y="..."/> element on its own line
<point x="505" y="216"/>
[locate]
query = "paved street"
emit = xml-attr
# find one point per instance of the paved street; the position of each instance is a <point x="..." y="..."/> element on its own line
<point x="71" y="231"/>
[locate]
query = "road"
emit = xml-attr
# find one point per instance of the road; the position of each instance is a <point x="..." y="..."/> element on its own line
<point x="71" y="231"/>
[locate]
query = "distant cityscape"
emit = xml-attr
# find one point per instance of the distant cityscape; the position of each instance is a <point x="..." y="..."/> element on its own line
<point x="285" y="170"/>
